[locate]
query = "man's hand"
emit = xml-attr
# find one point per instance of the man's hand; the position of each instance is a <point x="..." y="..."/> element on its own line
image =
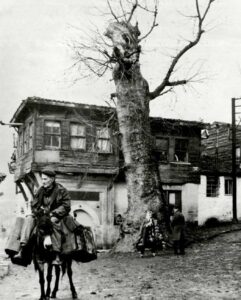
<point x="54" y="220"/>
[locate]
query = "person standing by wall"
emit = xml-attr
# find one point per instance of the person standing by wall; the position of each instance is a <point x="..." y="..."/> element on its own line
<point x="178" y="228"/>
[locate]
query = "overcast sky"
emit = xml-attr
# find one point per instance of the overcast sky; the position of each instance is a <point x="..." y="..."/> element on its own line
<point x="35" y="59"/>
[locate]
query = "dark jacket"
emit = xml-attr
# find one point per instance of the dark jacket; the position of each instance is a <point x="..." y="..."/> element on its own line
<point x="146" y="235"/>
<point x="63" y="238"/>
<point x="59" y="204"/>
<point x="178" y="225"/>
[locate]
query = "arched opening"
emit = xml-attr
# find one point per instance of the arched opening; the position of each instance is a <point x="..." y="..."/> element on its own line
<point x="88" y="217"/>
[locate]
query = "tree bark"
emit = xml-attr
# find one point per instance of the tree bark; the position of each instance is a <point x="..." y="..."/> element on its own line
<point x="141" y="171"/>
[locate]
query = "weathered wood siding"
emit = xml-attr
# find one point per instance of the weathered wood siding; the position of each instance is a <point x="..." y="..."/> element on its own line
<point x="67" y="156"/>
<point x="171" y="171"/>
<point x="91" y="160"/>
<point x="217" y="148"/>
<point x="24" y="160"/>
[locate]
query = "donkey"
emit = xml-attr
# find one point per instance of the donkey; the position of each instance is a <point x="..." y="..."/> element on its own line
<point x="42" y="253"/>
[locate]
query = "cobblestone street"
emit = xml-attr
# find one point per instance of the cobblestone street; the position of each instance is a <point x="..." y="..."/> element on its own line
<point x="211" y="270"/>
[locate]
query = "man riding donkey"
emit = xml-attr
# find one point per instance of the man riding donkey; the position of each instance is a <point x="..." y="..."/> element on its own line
<point x="53" y="199"/>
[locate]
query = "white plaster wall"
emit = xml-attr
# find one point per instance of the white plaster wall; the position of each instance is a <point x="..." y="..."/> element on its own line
<point x="190" y="193"/>
<point x="120" y="196"/>
<point x="219" y="207"/>
<point x="189" y="196"/>
<point x="238" y="198"/>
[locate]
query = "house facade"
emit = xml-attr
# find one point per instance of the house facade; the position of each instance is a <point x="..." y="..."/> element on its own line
<point x="81" y="142"/>
<point x="216" y="186"/>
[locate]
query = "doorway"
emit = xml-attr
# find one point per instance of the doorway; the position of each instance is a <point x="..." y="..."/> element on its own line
<point x="174" y="198"/>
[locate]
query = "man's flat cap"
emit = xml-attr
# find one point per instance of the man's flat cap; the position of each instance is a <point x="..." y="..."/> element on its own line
<point x="48" y="171"/>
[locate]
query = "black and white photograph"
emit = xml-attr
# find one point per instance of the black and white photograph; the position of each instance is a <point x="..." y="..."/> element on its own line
<point x="120" y="152"/>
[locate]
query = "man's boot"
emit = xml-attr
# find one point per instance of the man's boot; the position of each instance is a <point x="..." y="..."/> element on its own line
<point x="19" y="258"/>
<point x="20" y="253"/>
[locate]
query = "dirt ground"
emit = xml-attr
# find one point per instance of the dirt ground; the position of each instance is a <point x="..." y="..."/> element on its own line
<point x="210" y="270"/>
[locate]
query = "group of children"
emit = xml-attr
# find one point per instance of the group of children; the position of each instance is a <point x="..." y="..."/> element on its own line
<point x="151" y="236"/>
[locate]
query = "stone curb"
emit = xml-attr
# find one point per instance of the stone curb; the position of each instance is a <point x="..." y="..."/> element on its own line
<point x="211" y="236"/>
<point x="220" y="233"/>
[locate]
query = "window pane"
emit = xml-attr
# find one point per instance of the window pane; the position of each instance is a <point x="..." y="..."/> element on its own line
<point x="103" y="133"/>
<point x="81" y="130"/>
<point x="52" y="134"/>
<point x="161" y="149"/>
<point x="25" y="140"/>
<point x="30" y="129"/>
<point x="104" y="145"/>
<point x="238" y="152"/>
<point x="47" y="140"/>
<point x="56" y="130"/>
<point x="30" y="136"/>
<point x="228" y="187"/>
<point x="212" y="186"/>
<point x="73" y="129"/>
<point x="55" y="141"/>
<point x="77" y="143"/>
<point x="77" y="129"/>
<point x="52" y="127"/>
<point x="181" y="150"/>
<point x="20" y="143"/>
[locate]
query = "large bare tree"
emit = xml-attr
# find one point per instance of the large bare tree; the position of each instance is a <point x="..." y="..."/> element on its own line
<point x="119" y="49"/>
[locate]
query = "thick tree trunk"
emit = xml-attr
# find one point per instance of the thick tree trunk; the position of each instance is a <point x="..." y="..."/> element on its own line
<point x="136" y="141"/>
<point x="134" y="124"/>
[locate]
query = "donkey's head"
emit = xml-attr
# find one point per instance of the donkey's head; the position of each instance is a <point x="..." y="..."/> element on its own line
<point x="44" y="228"/>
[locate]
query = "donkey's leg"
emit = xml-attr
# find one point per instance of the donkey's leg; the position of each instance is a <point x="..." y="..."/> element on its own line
<point x="41" y="281"/>
<point x="56" y="285"/>
<point x="69" y="272"/>
<point x="49" y="278"/>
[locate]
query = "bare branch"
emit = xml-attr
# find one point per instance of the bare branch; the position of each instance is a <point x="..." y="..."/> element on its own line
<point x="207" y="9"/>
<point x="123" y="10"/>
<point x="175" y="83"/>
<point x="154" y="24"/>
<point x="167" y="91"/>
<point x="112" y="12"/>
<point x="132" y="11"/>
<point x="166" y="81"/>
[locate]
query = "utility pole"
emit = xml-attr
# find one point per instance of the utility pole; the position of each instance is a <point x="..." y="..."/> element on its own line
<point x="234" y="160"/>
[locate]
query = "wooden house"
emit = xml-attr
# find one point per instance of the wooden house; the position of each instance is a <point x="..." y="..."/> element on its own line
<point x="216" y="186"/>
<point x="177" y="150"/>
<point x="81" y="142"/>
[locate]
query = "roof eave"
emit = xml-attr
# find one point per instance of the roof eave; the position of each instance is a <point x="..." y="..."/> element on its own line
<point x="18" y="111"/>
